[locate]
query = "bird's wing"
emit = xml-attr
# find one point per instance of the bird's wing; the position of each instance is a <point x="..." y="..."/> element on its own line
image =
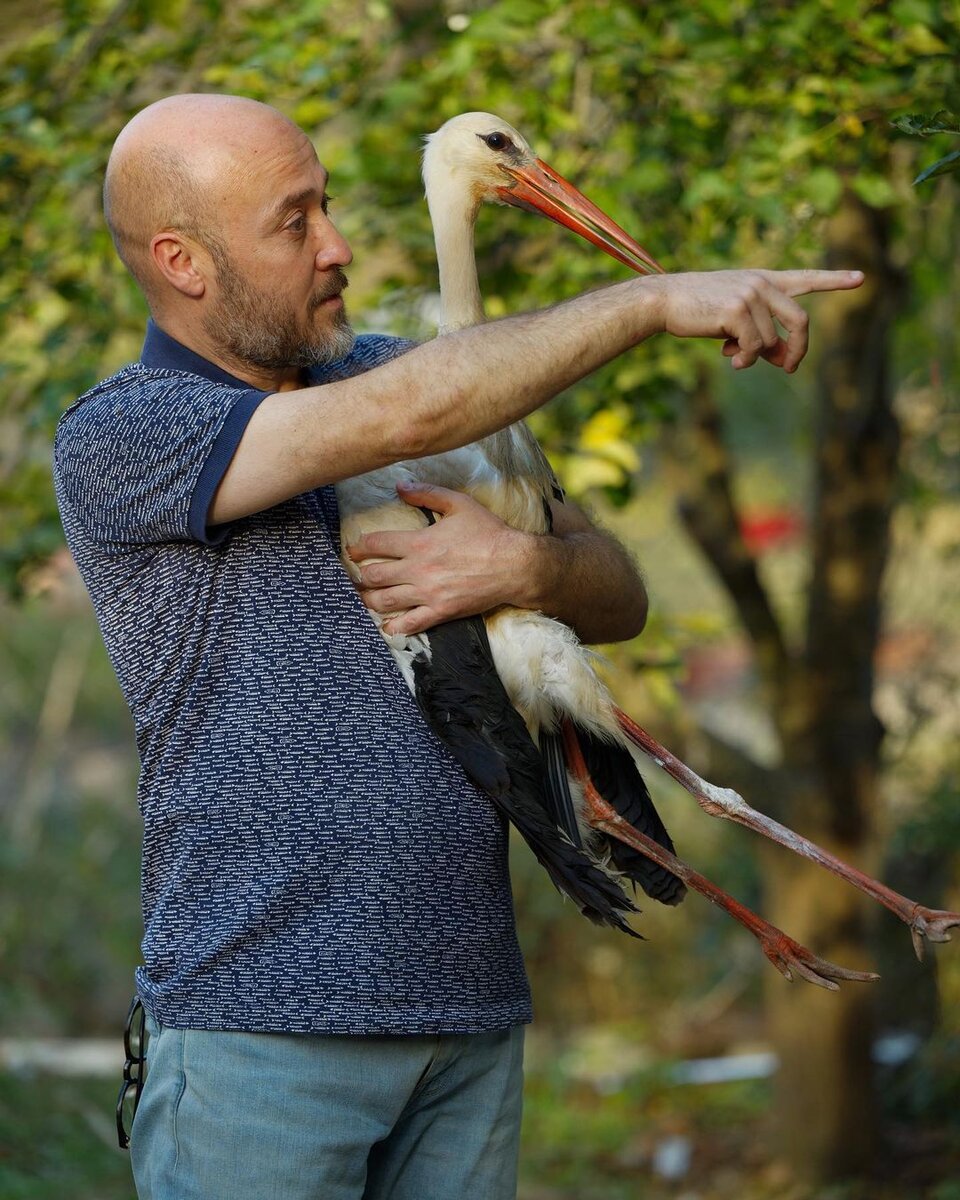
<point x="465" y="703"/>
<point x="614" y="774"/>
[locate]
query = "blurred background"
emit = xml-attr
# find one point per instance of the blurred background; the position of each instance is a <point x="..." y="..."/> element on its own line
<point x="800" y="539"/>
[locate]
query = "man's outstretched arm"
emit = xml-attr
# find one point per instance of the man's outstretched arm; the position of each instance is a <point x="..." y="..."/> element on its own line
<point x="470" y="562"/>
<point x="465" y="385"/>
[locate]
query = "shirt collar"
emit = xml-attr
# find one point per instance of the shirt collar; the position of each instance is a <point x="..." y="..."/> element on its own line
<point x="161" y="350"/>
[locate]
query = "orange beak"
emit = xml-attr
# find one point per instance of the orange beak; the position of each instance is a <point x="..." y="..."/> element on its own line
<point x="538" y="188"/>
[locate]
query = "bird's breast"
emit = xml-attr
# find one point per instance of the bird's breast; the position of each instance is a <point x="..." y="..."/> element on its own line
<point x="513" y="479"/>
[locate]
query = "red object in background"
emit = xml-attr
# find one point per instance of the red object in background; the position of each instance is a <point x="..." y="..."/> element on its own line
<point x="766" y="529"/>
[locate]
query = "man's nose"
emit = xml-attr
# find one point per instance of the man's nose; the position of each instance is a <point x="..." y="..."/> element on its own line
<point x="334" y="250"/>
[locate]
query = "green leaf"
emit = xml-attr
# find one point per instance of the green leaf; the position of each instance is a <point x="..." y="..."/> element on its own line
<point x="922" y="126"/>
<point x="823" y="188"/>
<point x="942" y="167"/>
<point x="875" y="190"/>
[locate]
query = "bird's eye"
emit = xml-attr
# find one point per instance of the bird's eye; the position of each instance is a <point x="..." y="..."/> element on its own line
<point x="496" y="141"/>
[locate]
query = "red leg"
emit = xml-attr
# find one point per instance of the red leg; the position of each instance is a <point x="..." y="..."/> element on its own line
<point x="724" y="802"/>
<point x="785" y="954"/>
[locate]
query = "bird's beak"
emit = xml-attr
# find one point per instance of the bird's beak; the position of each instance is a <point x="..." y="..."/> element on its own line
<point x="538" y="188"/>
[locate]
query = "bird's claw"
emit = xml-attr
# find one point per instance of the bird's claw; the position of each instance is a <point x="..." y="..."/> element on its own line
<point x="789" y="956"/>
<point x="932" y="924"/>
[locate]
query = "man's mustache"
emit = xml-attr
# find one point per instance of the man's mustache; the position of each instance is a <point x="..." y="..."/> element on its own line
<point x="334" y="284"/>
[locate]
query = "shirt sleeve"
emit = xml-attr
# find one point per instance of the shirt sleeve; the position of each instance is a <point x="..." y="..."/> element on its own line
<point x="139" y="462"/>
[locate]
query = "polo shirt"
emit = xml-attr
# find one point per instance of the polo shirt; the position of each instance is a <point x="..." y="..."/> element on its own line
<point x="314" y="859"/>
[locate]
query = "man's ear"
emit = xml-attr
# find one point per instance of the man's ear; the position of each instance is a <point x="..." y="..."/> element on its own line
<point x="180" y="261"/>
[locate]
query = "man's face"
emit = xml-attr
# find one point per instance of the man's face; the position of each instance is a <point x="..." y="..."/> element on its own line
<point x="279" y="266"/>
<point x="267" y="327"/>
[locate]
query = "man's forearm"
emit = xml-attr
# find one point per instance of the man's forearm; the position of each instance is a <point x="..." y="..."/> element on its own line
<point x="500" y="374"/>
<point x="586" y="579"/>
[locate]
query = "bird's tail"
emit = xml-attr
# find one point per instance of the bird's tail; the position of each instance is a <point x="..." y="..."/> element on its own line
<point x="614" y="774"/>
<point x="465" y="703"/>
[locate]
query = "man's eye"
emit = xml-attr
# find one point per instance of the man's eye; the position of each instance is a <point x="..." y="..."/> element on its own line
<point x="298" y="224"/>
<point x="325" y="204"/>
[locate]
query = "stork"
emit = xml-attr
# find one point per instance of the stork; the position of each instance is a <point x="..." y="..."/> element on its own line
<point x="515" y="695"/>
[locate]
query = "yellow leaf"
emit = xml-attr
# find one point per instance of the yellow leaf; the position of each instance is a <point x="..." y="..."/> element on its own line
<point x="606" y="425"/>
<point x="583" y="472"/>
<point x="603" y="436"/>
<point x="311" y="111"/>
<point x="922" y="40"/>
<point x="663" y="691"/>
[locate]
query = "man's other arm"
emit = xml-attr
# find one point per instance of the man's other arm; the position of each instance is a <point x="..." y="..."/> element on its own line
<point x="470" y="562"/>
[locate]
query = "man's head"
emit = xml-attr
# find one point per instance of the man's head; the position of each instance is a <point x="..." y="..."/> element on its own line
<point x="217" y="205"/>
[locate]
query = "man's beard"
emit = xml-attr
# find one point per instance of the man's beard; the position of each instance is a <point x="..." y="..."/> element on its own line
<point x="254" y="329"/>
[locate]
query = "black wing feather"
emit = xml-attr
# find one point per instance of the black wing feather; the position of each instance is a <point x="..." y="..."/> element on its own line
<point x="616" y="778"/>
<point x="465" y="703"/>
<point x="556" y="782"/>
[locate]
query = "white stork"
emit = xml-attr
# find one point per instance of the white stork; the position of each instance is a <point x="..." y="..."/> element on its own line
<point x="565" y="772"/>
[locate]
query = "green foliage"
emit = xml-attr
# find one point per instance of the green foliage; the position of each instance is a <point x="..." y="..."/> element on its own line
<point x="57" y="1139"/>
<point x="66" y="979"/>
<point x="921" y="126"/>
<point x="916" y="123"/>
<point x="592" y="1136"/>
<point x="719" y="133"/>
<point x="70" y="918"/>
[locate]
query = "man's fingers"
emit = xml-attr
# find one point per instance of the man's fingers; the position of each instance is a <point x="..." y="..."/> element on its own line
<point x="385" y="544"/>
<point x="796" y="322"/>
<point x="417" y="620"/>
<point x="761" y="338"/>
<point x="763" y="319"/>
<point x="429" y="495"/>
<point x="776" y="355"/>
<point x="390" y="599"/>
<point x="799" y="283"/>
<point x="748" y="306"/>
<point x="378" y="573"/>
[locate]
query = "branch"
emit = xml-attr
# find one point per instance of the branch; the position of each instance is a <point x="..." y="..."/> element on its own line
<point x="707" y="509"/>
<point x="72" y="67"/>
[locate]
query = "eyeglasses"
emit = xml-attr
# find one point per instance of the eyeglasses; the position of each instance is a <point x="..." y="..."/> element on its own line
<point x="134" y="1047"/>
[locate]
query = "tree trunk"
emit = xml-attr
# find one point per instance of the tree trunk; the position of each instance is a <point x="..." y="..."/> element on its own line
<point x="831" y="736"/>
<point x="821" y="696"/>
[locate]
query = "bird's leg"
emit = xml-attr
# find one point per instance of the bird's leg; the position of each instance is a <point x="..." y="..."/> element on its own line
<point x="785" y="954"/>
<point x="724" y="802"/>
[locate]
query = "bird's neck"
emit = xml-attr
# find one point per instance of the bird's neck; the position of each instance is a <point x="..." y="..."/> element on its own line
<point x="461" y="304"/>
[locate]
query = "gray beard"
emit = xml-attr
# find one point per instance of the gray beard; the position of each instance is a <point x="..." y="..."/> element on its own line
<point x="251" y="329"/>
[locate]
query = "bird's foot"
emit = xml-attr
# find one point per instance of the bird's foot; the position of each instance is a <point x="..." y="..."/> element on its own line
<point x="930" y="923"/>
<point x="789" y="956"/>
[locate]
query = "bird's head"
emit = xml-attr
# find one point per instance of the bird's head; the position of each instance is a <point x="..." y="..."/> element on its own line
<point x="484" y="158"/>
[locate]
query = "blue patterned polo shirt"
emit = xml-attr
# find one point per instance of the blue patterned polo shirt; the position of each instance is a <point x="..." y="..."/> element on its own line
<point x="314" y="860"/>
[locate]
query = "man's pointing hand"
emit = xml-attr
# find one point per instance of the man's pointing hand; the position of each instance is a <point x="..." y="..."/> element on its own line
<point x="744" y="308"/>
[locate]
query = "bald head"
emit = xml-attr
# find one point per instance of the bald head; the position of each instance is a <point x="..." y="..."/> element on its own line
<point x="172" y="165"/>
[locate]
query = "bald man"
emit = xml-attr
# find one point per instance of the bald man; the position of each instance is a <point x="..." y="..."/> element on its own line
<point x="334" y="991"/>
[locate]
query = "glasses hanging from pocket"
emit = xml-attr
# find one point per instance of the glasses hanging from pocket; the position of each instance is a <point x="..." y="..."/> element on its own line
<point x="134" y="1048"/>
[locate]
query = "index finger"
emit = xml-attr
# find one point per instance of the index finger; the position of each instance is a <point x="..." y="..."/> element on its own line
<point x="799" y="283"/>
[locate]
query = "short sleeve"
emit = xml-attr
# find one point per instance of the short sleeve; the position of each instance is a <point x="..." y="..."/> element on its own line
<point x="139" y="459"/>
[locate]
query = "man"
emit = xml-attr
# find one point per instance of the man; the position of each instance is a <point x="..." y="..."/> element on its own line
<point x="335" y="992"/>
